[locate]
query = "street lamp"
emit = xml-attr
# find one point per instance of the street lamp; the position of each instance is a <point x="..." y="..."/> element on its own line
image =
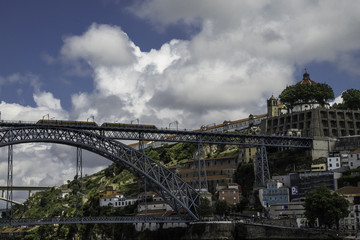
<point x="177" y="125"/>
<point x="91" y="117"/>
<point x="138" y="122"/>
<point x="48" y="116"/>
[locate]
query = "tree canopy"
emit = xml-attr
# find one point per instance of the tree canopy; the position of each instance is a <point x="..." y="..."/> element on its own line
<point x="222" y="208"/>
<point x="351" y="100"/>
<point x="327" y="207"/>
<point x="245" y="177"/>
<point x="205" y="209"/>
<point x="306" y="93"/>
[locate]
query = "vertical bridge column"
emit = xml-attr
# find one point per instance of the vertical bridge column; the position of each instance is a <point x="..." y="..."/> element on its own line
<point x="200" y="177"/>
<point x="142" y="150"/>
<point x="9" y="181"/>
<point x="79" y="181"/>
<point x="262" y="172"/>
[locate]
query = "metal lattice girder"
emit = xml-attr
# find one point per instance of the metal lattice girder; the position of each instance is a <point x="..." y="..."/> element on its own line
<point x="210" y="138"/>
<point x="180" y="195"/>
<point x="163" y="135"/>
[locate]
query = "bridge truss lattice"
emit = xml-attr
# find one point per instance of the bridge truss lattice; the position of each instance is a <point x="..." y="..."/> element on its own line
<point x="104" y="141"/>
<point x="178" y="194"/>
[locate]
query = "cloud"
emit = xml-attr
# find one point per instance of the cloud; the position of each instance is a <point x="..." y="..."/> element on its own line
<point x="350" y="63"/>
<point x="17" y="78"/>
<point x="47" y="58"/>
<point x="299" y="31"/>
<point x="337" y="100"/>
<point x="46" y="104"/>
<point x="183" y="80"/>
<point x="100" y="45"/>
<point x="47" y="100"/>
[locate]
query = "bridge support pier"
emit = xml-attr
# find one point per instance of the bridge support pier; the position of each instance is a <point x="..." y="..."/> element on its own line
<point x="200" y="178"/>
<point x="9" y="180"/>
<point x="79" y="181"/>
<point x="262" y="172"/>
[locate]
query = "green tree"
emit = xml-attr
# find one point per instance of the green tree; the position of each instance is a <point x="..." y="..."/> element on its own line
<point x="327" y="207"/>
<point x="153" y="155"/>
<point x="222" y="208"/>
<point x="351" y="100"/>
<point x="205" y="209"/>
<point x="245" y="177"/>
<point x="242" y="205"/>
<point x="306" y="93"/>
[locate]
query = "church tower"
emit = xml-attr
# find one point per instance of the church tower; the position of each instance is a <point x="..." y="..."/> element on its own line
<point x="272" y="107"/>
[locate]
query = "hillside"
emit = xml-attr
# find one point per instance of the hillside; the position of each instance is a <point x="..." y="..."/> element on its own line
<point x="50" y="203"/>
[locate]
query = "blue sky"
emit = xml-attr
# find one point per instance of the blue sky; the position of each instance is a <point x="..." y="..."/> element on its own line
<point x="160" y="61"/>
<point x="34" y="33"/>
<point x="32" y="30"/>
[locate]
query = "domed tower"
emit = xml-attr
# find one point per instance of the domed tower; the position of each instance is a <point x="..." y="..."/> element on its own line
<point x="272" y="107"/>
<point x="306" y="79"/>
<point x="300" y="106"/>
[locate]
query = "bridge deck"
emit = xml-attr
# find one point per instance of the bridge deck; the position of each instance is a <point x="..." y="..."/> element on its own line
<point x="167" y="135"/>
<point x="25" y="188"/>
<point x="89" y="220"/>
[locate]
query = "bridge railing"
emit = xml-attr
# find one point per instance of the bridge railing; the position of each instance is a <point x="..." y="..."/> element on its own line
<point x="89" y="220"/>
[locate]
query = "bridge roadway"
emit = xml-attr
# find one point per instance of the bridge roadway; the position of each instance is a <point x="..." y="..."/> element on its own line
<point x="89" y="220"/>
<point x="168" y="135"/>
<point x="3" y="189"/>
<point x="7" y="200"/>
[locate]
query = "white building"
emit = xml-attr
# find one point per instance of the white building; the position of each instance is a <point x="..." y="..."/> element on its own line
<point x="352" y="221"/>
<point x="333" y="161"/>
<point x="354" y="159"/>
<point x="110" y="197"/>
<point x="154" y="205"/>
<point x="117" y="201"/>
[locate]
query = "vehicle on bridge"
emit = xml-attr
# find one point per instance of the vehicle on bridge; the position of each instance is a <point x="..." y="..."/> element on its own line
<point x="127" y="125"/>
<point x="66" y="123"/>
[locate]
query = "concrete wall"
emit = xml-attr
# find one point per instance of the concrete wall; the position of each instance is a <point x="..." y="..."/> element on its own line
<point x="227" y="229"/>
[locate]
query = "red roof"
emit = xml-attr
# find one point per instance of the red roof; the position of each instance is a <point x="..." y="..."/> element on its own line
<point x="348" y="190"/>
<point x="306" y="80"/>
<point x="355" y="151"/>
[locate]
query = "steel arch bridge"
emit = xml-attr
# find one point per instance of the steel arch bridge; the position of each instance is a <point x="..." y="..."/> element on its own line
<point x="176" y="192"/>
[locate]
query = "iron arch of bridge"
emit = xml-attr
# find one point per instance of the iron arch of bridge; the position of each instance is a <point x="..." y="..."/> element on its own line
<point x="175" y="191"/>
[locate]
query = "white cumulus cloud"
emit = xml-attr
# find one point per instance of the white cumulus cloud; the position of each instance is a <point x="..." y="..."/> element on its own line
<point x="100" y="45"/>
